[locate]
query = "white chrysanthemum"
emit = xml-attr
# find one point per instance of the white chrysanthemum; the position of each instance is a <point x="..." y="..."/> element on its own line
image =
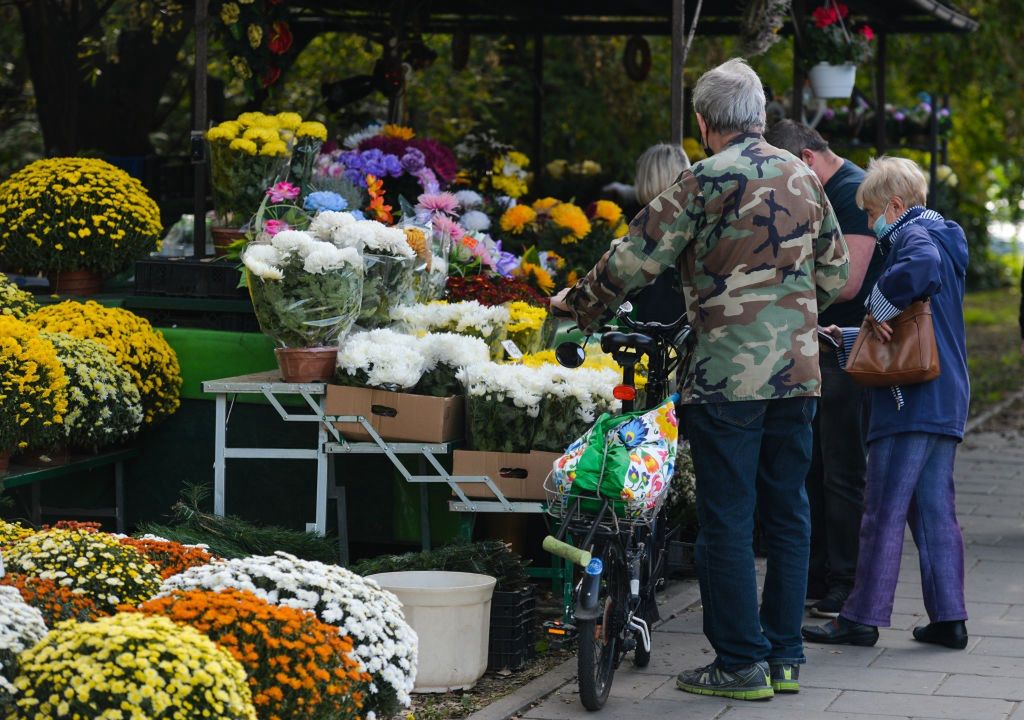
<point x="390" y="360"/>
<point x="454" y="350"/>
<point x="21" y="627"/>
<point x="289" y="242"/>
<point x="329" y="225"/>
<point x="359" y="608"/>
<point x="475" y="221"/>
<point x="469" y="317"/>
<point x="389" y="241"/>
<point x="324" y="256"/>
<point x="352" y="141"/>
<point x="469" y="199"/>
<point x="262" y="261"/>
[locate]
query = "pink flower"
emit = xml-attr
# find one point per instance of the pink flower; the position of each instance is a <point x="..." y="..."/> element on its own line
<point x="283" y="191"/>
<point x="273" y="227"/>
<point x="436" y="203"/>
<point x="444" y="225"/>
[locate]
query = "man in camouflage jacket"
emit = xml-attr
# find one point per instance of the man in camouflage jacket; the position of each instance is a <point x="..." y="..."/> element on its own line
<point x="760" y="255"/>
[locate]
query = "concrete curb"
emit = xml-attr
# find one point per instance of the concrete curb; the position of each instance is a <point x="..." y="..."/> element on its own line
<point x="678" y="598"/>
<point x="976" y="422"/>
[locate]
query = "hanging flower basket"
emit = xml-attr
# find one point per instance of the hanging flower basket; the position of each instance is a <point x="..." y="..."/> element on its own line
<point x="833" y="81"/>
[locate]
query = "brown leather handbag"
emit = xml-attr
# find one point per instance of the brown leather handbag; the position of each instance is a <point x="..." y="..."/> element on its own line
<point x="910" y="357"/>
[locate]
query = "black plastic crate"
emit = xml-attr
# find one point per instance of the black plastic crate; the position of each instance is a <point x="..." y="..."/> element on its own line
<point x="513" y="600"/>
<point x="513" y="617"/>
<point x="198" y="319"/>
<point x="508" y="660"/>
<point x="215" y="278"/>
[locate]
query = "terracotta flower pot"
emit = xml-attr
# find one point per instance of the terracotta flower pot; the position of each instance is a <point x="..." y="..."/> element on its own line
<point x="222" y="239"/>
<point x="302" y="365"/>
<point x="75" y="282"/>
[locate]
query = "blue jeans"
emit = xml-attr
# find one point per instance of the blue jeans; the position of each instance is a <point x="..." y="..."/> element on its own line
<point x="752" y="455"/>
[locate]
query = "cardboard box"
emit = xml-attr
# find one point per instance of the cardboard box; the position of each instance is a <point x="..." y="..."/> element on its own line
<point x="397" y="417"/>
<point x="519" y="476"/>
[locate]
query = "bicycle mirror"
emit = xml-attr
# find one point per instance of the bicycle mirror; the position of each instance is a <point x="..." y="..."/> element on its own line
<point x="570" y="355"/>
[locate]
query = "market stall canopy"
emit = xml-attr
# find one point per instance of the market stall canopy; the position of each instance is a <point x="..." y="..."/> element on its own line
<point x="598" y="17"/>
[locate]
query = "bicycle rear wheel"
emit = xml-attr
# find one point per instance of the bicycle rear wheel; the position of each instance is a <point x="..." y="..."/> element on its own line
<point x="598" y="639"/>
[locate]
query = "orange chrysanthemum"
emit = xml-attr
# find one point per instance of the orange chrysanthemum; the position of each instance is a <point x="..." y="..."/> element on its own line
<point x="398" y="131"/>
<point x="169" y="557"/>
<point x="516" y="218"/>
<point x="607" y="211"/>
<point x="573" y="219"/>
<point x="55" y="602"/>
<point x="297" y="665"/>
<point x="545" y="204"/>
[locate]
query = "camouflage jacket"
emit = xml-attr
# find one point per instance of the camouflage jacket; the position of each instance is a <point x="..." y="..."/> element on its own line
<point x="760" y="254"/>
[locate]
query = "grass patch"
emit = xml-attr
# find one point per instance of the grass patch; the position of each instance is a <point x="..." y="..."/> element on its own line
<point x="993" y="346"/>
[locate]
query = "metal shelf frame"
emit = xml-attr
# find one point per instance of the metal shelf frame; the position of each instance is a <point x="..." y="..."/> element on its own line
<point x="330" y="444"/>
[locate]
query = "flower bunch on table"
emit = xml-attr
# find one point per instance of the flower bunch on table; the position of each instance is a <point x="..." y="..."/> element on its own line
<point x="137" y="348"/>
<point x="305" y="292"/>
<point x="382" y="641"/>
<point x="297" y="666"/>
<point x="513" y="408"/>
<point x="425" y="364"/>
<point x="526" y="326"/>
<point x="94" y="564"/>
<point x="465" y="318"/>
<point x="14" y="301"/>
<point x="33" y="388"/>
<point x="71" y="213"/>
<point x="104" y="405"/>
<point x="94" y="669"/>
<point x="21" y="627"/>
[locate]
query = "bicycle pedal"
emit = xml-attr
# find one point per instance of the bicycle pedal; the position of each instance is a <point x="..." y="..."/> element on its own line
<point x="559" y="634"/>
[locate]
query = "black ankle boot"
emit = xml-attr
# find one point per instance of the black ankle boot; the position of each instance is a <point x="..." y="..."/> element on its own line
<point x="952" y="634"/>
<point x="841" y="632"/>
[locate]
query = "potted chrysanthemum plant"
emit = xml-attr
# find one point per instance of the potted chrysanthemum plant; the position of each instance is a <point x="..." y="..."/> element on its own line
<point x="833" y="48"/>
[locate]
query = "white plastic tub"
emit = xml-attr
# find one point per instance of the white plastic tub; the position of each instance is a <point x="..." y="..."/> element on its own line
<point x="451" y="614"/>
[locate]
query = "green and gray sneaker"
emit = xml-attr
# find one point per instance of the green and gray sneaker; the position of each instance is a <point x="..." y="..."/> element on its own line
<point x="785" y="677"/>
<point x="750" y="683"/>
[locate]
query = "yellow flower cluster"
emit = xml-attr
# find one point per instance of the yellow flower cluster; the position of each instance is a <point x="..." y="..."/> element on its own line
<point x="12" y="532"/>
<point x="572" y="218"/>
<point x="33" y="398"/>
<point x="91" y="563"/>
<point x="312" y="129"/>
<point x="508" y="174"/>
<point x="255" y="133"/>
<point x="15" y="301"/>
<point x="526" y="324"/>
<point x="608" y="212"/>
<point x="137" y="348"/>
<point x="75" y="214"/>
<point x="130" y="666"/>
<point x="595" y="360"/>
<point x="104" y="406"/>
<point x="516" y="219"/>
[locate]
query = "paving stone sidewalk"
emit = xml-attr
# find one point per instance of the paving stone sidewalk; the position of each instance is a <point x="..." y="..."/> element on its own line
<point x="898" y="679"/>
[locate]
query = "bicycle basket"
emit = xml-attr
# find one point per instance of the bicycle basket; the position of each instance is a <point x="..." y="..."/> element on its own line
<point x="628" y="459"/>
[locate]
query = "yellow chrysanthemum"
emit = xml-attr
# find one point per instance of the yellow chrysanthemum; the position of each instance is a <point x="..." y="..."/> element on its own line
<point x="33" y="388"/>
<point x="14" y="301"/>
<point x="241" y="67"/>
<point x="693" y="150"/>
<point x="313" y="129"/>
<point x="607" y="211"/>
<point x="289" y="120"/>
<point x="242" y="145"/>
<point x="249" y="119"/>
<point x="398" y="131"/>
<point x="229" y="13"/>
<point x="516" y="218"/>
<point x="255" y="34"/>
<point x="531" y="272"/>
<point x="518" y="158"/>
<point x="572" y="218"/>
<point x="261" y="135"/>
<point x="544" y="205"/>
<point x="219" y="133"/>
<point x="274" y="149"/>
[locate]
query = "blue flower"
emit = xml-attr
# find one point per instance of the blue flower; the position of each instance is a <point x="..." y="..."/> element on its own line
<point x="633" y="433"/>
<point x="325" y="200"/>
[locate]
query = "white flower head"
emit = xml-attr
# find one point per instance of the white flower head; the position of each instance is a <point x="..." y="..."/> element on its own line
<point x="263" y="261"/>
<point x="469" y="199"/>
<point x="475" y="221"/>
<point x="352" y="141"/>
<point x="292" y="242"/>
<point x="389" y="241"/>
<point x="329" y="225"/>
<point x="324" y="256"/>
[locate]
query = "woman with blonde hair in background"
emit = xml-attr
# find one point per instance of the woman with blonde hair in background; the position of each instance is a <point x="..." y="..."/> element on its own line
<point x="656" y="169"/>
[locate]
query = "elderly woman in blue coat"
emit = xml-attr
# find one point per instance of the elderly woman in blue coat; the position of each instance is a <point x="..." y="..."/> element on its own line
<point x="914" y="430"/>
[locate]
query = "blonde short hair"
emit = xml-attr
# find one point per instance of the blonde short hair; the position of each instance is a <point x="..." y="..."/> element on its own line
<point x="889" y="177"/>
<point x="657" y="169"/>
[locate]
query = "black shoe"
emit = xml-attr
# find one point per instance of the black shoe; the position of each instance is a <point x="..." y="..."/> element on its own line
<point x="750" y="683"/>
<point x="952" y="634"/>
<point x="841" y="632"/>
<point x="832" y="603"/>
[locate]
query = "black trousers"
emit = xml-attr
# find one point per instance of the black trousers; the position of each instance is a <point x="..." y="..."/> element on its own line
<point x="835" y="483"/>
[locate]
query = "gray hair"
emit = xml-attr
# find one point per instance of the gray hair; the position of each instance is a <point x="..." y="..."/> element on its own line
<point x="657" y="169"/>
<point x="730" y="98"/>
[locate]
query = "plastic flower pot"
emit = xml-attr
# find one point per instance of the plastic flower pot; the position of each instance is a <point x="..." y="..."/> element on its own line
<point x="451" y="614"/>
<point x="77" y="283"/>
<point x="303" y="365"/>
<point x="832" y="81"/>
<point x="222" y="239"/>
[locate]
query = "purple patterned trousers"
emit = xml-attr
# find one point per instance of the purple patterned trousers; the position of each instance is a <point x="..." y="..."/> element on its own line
<point x="909" y="480"/>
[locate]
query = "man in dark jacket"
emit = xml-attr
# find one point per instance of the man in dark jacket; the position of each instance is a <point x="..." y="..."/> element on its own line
<point x="835" y="483"/>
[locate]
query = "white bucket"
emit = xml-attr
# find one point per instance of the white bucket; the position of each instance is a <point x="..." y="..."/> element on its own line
<point x="451" y="614"/>
<point x="833" y="81"/>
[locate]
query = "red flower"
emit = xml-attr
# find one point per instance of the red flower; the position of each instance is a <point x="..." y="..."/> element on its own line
<point x="824" y="16"/>
<point x="843" y="10"/>
<point x="271" y="76"/>
<point x="280" y="38"/>
<point x="867" y="33"/>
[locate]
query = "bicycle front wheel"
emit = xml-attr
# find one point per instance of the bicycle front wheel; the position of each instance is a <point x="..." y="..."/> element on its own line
<point x="598" y="639"/>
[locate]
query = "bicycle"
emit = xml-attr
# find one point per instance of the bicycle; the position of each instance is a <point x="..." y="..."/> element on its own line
<point x="623" y="558"/>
